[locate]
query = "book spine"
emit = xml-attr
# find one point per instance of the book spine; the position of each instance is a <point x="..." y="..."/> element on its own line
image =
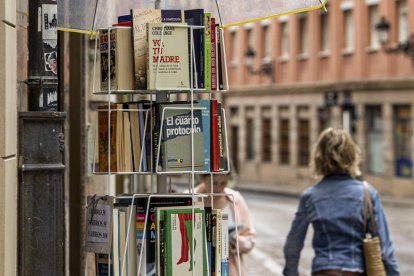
<point x="220" y="137"/>
<point x="213" y="242"/>
<point x="140" y="240"/>
<point x="215" y="163"/>
<point x="219" y="60"/>
<point x="213" y="55"/>
<point x="218" y="241"/>
<point x="196" y="18"/>
<point x="207" y="50"/>
<point x="225" y="244"/>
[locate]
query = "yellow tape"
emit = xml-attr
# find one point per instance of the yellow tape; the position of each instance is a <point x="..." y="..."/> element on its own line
<point x="76" y="31"/>
<point x="321" y="6"/>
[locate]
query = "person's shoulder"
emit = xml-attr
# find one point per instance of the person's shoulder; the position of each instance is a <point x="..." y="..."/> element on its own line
<point x="233" y="194"/>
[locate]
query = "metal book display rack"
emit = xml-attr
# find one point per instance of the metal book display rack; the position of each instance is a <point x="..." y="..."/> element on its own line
<point x="191" y="91"/>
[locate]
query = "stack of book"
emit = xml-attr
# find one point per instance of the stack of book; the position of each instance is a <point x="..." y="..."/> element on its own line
<point x="171" y="238"/>
<point x="130" y="138"/>
<point x="163" y="50"/>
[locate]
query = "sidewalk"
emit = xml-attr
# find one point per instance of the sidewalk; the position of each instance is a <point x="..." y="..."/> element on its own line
<point x="286" y="191"/>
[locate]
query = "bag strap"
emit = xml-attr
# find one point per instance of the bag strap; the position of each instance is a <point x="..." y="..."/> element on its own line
<point x="368" y="208"/>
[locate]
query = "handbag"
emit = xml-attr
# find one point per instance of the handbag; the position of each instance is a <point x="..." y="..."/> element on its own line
<point x="371" y="243"/>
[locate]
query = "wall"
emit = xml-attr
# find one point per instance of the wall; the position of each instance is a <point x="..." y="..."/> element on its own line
<point x="8" y="138"/>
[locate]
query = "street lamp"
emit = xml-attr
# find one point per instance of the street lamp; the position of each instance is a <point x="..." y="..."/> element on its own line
<point x="406" y="47"/>
<point x="267" y="67"/>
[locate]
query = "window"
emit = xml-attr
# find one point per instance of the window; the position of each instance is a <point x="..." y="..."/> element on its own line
<point x="284" y="39"/>
<point x="303" y="33"/>
<point x="284" y="141"/>
<point x="234" y="111"/>
<point x="373" y="15"/>
<point x="266" y="140"/>
<point x="303" y="142"/>
<point x="402" y="20"/>
<point x="324" y="28"/>
<point x="375" y="140"/>
<point x="234" y="46"/>
<point x="402" y="142"/>
<point x="349" y="30"/>
<point x="249" y="139"/>
<point x="267" y="42"/>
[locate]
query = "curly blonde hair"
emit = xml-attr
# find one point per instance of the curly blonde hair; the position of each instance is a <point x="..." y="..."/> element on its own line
<point x="335" y="152"/>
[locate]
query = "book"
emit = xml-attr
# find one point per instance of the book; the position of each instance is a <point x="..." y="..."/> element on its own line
<point x="195" y="17"/>
<point x="176" y="137"/>
<point x="126" y="153"/>
<point x="136" y="145"/>
<point x="225" y="244"/>
<point x="102" y="265"/>
<point x="215" y="161"/>
<point x="185" y="245"/>
<point x="218" y="213"/>
<point x="168" y="62"/>
<point x="209" y="229"/>
<point x="219" y="59"/>
<point x="140" y="18"/>
<point x="206" y="119"/>
<point x="126" y="241"/>
<point x="116" y="63"/>
<point x="221" y="138"/>
<point x="223" y="62"/>
<point x="213" y="55"/>
<point x="113" y="134"/>
<point x="207" y="50"/>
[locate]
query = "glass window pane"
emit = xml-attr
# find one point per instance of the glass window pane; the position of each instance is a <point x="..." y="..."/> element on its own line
<point x="375" y="140"/>
<point x="284" y="141"/>
<point x="402" y="141"/>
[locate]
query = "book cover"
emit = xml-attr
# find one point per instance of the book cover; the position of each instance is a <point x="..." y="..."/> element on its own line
<point x="168" y="63"/>
<point x="207" y="50"/>
<point x="195" y="17"/>
<point x="127" y="143"/>
<point x="185" y="245"/>
<point x="213" y="55"/>
<point x="176" y="137"/>
<point x="116" y="62"/>
<point x="215" y="161"/>
<point x="140" y="18"/>
<point x="224" y="244"/>
<point x="206" y="118"/>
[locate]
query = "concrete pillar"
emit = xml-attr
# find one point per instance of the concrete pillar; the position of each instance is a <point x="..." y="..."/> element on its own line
<point x="257" y="134"/>
<point x="388" y="141"/>
<point x="275" y="134"/>
<point x="8" y="138"/>
<point x="293" y="135"/>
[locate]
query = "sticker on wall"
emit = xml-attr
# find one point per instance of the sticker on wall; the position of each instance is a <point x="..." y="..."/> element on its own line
<point x="49" y="24"/>
<point x="51" y="62"/>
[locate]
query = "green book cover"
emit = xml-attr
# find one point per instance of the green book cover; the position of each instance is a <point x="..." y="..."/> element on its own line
<point x="207" y="50"/>
<point x="176" y="137"/>
<point x="185" y="246"/>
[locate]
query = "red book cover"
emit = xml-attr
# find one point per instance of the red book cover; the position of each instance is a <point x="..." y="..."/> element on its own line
<point x="124" y="24"/>
<point x="215" y="161"/>
<point x="213" y="55"/>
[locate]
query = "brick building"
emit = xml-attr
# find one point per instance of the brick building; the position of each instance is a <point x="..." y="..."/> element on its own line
<point x="317" y="70"/>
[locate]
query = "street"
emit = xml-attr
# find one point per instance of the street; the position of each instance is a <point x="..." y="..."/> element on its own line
<point x="272" y="215"/>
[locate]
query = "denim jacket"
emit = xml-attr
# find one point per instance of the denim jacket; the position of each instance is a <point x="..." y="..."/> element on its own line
<point x="334" y="206"/>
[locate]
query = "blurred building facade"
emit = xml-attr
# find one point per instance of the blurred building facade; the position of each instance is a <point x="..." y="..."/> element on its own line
<point x="315" y="70"/>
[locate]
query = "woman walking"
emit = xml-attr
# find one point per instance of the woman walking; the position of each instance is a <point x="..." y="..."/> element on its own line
<point x="335" y="208"/>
